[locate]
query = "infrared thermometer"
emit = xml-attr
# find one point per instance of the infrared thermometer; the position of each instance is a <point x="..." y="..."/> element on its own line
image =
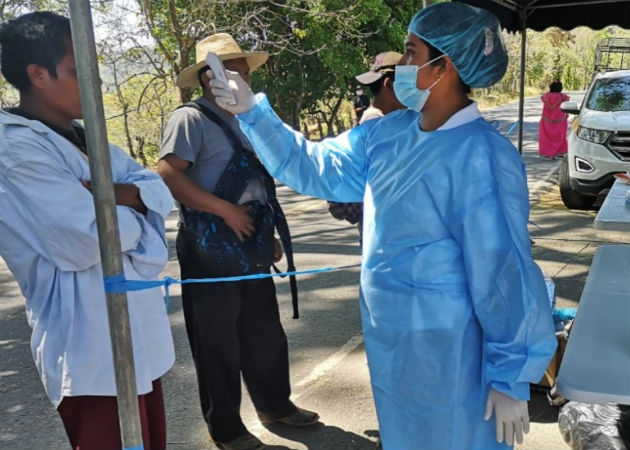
<point x="218" y="71"/>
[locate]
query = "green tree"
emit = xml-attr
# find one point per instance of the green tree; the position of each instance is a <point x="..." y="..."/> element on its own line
<point x="317" y="46"/>
<point x="334" y="46"/>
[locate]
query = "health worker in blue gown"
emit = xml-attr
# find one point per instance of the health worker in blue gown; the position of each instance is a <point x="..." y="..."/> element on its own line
<point x="455" y="313"/>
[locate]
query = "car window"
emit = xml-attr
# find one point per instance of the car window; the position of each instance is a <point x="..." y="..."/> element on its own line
<point x="610" y="94"/>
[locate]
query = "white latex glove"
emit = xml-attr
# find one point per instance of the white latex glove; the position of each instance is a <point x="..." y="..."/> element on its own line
<point x="511" y="415"/>
<point x="244" y="96"/>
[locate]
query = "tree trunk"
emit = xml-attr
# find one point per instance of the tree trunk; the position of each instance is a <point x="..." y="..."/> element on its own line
<point x="185" y="95"/>
<point x="297" y="108"/>
<point x="141" y="155"/>
<point x="132" y="153"/>
<point x="333" y="115"/>
<point x="340" y="127"/>
<point x="319" y="127"/>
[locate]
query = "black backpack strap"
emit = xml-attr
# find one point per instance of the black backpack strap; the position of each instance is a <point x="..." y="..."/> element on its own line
<point x="285" y="237"/>
<point x="235" y="142"/>
<point x="280" y="220"/>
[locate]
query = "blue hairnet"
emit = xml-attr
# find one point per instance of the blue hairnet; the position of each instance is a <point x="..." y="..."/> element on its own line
<point x="470" y="36"/>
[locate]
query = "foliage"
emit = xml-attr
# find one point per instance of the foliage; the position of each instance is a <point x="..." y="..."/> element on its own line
<point x="138" y="89"/>
<point x="551" y="54"/>
<point x="334" y="46"/>
<point x="136" y="113"/>
<point x="316" y="48"/>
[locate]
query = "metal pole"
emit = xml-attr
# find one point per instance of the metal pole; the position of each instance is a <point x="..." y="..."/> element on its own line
<point x="521" y="96"/>
<point x="106" y="219"/>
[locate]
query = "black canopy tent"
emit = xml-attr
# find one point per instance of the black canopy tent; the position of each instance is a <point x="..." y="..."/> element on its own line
<point x="519" y="15"/>
<point x="542" y="14"/>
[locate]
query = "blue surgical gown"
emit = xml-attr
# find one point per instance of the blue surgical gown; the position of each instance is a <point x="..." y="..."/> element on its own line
<point x="453" y="303"/>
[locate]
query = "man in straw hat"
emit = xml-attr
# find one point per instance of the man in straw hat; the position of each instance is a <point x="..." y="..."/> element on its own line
<point x="227" y="214"/>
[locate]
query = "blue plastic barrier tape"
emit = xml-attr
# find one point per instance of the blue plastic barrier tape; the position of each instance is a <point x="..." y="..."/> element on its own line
<point x="135" y="447"/>
<point x="499" y="128"/>
<point x="534" y="223"/>
<point x="511" y="128"/>
<point x="564" y="314"/>
<point x="551" y="292"/>
<point x="117" y="284"/>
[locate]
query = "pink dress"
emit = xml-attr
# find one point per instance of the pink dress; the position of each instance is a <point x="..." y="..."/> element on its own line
<point x="552" y="130"/>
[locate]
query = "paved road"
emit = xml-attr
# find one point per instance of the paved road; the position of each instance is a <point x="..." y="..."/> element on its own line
<point x="540" y="172"/>
<point x="328" y="366"/>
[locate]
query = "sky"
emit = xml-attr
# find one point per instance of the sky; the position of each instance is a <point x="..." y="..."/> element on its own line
<point x="124" y="15"/>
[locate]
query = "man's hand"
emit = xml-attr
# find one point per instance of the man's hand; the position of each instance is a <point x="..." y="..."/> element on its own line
<point x="239" y="221"/>
<point x="511" y="416"/>
<point x="125" y="195"/>
<point x="277" y="250"/>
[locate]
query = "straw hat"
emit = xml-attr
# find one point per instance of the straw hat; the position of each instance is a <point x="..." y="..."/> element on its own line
<point x="226" y="49"/>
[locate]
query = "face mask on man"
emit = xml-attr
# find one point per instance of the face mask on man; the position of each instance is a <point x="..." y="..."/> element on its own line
<point x="406" y="89"/>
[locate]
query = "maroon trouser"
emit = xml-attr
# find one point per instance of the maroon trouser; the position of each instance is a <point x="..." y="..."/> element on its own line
<point x="91" y="422"/>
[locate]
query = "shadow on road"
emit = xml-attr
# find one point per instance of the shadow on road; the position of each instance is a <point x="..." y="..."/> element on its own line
<point x="323" y="437"/>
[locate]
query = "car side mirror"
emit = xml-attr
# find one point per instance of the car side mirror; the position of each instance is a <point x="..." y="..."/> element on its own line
<point x="570" y="107"/>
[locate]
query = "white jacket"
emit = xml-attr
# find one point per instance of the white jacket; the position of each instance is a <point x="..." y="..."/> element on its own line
<point x="49" y="240"/>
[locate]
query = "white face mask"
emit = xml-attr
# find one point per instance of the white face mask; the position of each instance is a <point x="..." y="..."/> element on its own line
<point x="406" y="89"/>
<point x="359" y="91"/>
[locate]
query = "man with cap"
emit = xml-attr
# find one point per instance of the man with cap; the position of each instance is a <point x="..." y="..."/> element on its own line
<point x="380" y="81"/>
<point x="455" y="313"/>
<point x="360" y="102"/>
<point x="228" y="211"/>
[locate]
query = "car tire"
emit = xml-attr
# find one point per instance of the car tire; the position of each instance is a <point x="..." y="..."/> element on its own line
<point x="570" y="198"/>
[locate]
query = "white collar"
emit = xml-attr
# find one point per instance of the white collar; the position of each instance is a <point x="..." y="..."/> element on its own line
<point x="464" y="115"/>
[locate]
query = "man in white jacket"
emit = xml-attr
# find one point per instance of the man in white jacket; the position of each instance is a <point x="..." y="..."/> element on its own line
<point x="49" y="241"/>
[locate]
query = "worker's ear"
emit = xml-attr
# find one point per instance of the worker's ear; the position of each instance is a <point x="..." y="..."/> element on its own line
<point x="388" y="83"/>
<point x="447" y="67"/>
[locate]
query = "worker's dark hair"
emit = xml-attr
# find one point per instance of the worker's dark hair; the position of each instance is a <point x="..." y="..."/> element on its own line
<point x="39" y="38"/>
<point x="556" y="86"/>
<point x="434" y="53"/>
<point x="376" y="87"/>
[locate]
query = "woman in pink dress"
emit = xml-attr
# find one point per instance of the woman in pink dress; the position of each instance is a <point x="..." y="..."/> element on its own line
<point x="552" y="131"/>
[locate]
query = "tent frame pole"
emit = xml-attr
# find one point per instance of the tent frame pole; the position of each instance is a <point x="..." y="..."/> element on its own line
<point x="521" y="96"/>
<point x="106" y="219"/>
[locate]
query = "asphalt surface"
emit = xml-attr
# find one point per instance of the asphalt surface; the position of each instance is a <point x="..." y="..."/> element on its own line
<point x="328" y="366"/>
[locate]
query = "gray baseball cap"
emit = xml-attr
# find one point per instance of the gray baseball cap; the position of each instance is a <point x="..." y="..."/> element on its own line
<point x="383" y="63"/>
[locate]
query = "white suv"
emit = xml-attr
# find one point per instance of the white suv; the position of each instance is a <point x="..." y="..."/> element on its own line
<point x="599" y="139"/>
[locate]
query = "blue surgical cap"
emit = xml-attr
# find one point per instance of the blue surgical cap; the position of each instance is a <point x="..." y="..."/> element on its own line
<point x="470" y="36"/>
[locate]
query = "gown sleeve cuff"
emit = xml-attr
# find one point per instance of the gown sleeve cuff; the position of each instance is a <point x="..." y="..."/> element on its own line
<point x="518" y="391"/>
<point x="262" y="107"/>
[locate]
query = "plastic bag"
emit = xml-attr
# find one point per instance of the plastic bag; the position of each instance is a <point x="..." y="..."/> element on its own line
<point x="551" y="291"/>
<point x="593" y="427"/>
<point x="562" y="318"/>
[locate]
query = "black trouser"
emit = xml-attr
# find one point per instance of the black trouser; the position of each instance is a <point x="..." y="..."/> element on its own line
<point x="232" y="328"/>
